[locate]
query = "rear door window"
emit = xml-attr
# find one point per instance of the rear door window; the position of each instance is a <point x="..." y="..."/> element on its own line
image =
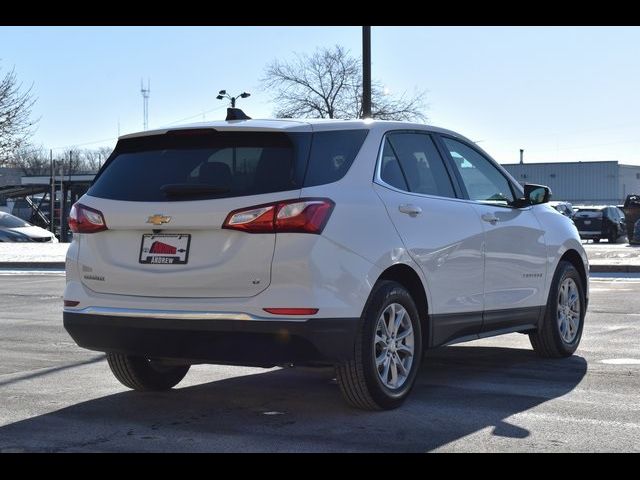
<point x="411" y="162"/>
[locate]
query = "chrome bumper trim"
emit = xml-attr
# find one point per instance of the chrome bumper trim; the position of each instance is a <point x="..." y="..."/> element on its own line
<point x="177" y="314"/>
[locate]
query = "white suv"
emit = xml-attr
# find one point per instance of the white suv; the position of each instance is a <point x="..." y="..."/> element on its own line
<point x="358" y="244"/>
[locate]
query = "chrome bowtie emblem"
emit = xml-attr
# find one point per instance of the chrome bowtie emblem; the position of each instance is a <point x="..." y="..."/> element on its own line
<point x="158" y="219"/>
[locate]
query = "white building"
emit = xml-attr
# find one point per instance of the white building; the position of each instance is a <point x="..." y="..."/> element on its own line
<point x="581" y="183"/>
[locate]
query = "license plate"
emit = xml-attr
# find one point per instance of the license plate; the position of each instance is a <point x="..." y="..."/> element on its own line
<point x="168" y="249"/>
<point x="587" y="222"/>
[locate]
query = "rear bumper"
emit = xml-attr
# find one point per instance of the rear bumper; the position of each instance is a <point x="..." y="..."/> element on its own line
<point x="226" y="341"/>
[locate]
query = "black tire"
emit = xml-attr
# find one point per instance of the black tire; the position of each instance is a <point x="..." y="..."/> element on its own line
<point x="596" y="240"/>
<point x="547" y="340"/>
<point x="145" y="375"/>
<point x="613" y="236"/>
<point x="358" y="378"/>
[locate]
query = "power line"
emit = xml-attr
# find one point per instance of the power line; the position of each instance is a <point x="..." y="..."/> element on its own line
<point x="195" y="116"/>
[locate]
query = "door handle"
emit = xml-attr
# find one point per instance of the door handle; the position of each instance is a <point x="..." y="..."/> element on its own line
<point x="411" y="210"/>
<point x="490" y="217"/>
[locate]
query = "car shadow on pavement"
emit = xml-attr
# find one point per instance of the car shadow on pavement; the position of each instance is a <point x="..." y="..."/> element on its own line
<point x="459" y="391"/>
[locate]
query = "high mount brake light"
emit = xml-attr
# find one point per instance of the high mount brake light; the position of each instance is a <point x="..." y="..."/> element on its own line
<point x="301" y="215"/>
<point x="83" y="219"/>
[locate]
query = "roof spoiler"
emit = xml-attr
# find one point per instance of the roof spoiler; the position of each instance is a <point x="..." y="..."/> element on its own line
<point x="236" y="114"/>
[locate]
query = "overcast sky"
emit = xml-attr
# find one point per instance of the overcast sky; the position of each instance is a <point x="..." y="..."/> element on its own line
<point x="561" y="93"/>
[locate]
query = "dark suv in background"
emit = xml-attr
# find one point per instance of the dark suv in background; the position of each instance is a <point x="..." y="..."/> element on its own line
<point x="594" y="223"/>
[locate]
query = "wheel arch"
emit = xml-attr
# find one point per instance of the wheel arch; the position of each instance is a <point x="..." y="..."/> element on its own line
<point x="410" y="279"/>
<point x="573" y="257"/>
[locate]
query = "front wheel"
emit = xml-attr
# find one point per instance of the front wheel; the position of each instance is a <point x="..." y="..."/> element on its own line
<point x="562" y="326"/>
<point x="143" y="374"/>
<point x="613" y="236"/>
<point x="387" y="352"/>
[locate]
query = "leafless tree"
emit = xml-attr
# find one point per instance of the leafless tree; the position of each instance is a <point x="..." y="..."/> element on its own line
<point x="15" y="114"/>
<point x="34" y="160"/>
<point x="31" y="160"/>
<point x="94" y="159"/>
<point x="328" y="84"/>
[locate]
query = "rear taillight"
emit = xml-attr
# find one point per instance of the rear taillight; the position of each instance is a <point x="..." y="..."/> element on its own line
<point x="83" y="219"/>
<point x="303" y="215"/>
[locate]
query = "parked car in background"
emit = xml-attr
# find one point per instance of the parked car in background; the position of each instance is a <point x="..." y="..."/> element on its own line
<point x="594" y="223"/>
<point x="564" y="208"/>
<point x="631" y="209"/>
<point x="634" y="237"/>
<point x="14" y="229"/>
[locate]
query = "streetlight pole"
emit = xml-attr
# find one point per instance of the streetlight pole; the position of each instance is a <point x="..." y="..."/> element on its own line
<point x="366" y="72"/>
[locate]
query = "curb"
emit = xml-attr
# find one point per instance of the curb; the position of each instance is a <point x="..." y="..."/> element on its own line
<point x="33" y="265"/>
<point x="614" y="268"/>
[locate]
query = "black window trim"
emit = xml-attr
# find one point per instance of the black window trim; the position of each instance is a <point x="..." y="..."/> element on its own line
<point x="515" y="191"/>
<point x="377" y="176"/>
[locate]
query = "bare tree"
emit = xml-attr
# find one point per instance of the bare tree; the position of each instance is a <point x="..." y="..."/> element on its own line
<point x="31" y="160"/>
<point x="328" y="84"/>
<point x="15" y="112"/>
<point x="94" y="159"/>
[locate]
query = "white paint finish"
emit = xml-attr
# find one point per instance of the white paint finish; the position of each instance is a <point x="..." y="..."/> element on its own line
<point x="560" y="235"/>
<point x="221" y="263"/>
<point x="335" y="271"/>
<point x="515" y="250"/>
<point x="445" y="240"/>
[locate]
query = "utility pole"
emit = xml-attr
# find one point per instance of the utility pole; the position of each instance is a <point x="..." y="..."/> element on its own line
<point x="52" y="201"/>
<point x="145" y="102"/>
<point x="63" y="237"/>
<point x="366" y="72"/>
<point x="521" y="156"/>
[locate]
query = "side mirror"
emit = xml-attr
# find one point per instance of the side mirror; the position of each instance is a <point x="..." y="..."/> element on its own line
<point x="533" y="195"/>
<point x="537" y="194"/>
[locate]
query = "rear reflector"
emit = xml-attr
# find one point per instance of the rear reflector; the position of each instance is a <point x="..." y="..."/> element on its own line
<point x="302" y="215"/>
<point x="291" y="311"/>
<point x="83" y="219"/>
<point x="71" y="303"/>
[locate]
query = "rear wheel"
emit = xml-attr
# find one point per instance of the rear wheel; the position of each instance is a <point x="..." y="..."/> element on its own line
<point x="596" y="240"/>
<point x="387" y="353"/>
<point x="562" y="326"/>
<point x="143" y="374"/>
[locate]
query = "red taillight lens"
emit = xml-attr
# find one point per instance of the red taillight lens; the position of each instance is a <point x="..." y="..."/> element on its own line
<point x="83" y="219"/>
<point x="71" y="303"/>
<point x="304" y="215"/>
<point x="291" y="311"/>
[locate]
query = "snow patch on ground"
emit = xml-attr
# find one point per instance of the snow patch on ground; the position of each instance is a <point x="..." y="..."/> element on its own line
<point x="33" y="252"/>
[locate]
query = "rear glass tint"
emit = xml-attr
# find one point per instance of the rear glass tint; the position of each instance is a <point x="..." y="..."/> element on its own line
<point x="589" y="214"/>
<point x="332" y="154"/>
<point x="195" y="165"/>
<point x="203" y="165"/>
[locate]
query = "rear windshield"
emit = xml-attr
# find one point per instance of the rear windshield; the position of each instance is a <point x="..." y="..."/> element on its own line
<point x="194" y="165"/>
<point x="589" y="214"/>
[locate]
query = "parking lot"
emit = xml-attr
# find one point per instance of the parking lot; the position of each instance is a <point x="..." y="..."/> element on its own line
<point x="488" y="395"/>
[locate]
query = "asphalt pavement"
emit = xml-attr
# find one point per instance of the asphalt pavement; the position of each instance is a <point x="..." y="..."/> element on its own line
<point x="489" y="395"/>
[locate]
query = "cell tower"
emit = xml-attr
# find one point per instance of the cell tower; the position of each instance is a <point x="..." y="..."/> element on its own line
<point x="145" y="101"/>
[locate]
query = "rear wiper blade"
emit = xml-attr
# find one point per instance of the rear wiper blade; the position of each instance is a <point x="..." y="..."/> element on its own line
<point x="185" y="189"/>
